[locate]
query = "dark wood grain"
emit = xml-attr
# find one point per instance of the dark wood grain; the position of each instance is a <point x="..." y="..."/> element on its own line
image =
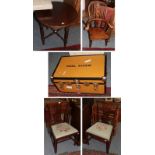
<point x="62" y="15"/>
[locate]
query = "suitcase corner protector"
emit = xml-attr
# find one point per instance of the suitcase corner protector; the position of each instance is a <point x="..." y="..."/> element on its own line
<point x="104" y="78"/>
<point x="52" y="77"/>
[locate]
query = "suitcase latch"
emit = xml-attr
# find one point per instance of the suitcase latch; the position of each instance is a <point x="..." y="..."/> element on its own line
<point x="95" y="85"/>
<point x="77" y="84"/>
<point x="86" y="84"/>
<point x="61" y="85"/>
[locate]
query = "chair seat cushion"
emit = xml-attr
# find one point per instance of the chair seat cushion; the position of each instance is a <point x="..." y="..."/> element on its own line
<point x="63" y="129"/>
<point x="101" y="130"/>
<point x="97" y="34"/>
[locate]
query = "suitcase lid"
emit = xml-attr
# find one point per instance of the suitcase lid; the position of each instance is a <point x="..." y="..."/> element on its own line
<point x="81" y="67"/>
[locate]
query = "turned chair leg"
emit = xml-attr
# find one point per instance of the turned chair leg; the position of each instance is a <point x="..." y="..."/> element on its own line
<point x="107" y="147"/>
<point x="76" y="139"/>
<point x="106" y="42"/>
<point x="90" y="43"/>
<point x="87" y="140"/>
<point x="55" y="146"/>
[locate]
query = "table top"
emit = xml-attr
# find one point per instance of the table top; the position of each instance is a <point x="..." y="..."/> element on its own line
<point x="62" y="15"/>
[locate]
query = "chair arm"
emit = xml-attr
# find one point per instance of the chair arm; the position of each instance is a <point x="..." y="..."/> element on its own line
<point x="96" y="19"/>
<point x="110" y="26"/>
<point x="92" y="20"/>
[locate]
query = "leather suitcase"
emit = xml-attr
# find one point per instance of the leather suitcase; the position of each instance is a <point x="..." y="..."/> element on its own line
<point x="81" y="74"/>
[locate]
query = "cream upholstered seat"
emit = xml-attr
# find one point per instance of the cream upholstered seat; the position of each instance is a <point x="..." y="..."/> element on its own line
<point x="101" y="130"/>
<point x="63" y="129"/>
<point x="42" y="4"/>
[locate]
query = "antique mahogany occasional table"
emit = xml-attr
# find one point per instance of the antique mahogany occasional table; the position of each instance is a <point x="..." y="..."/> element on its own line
<point x="60" y="17"/>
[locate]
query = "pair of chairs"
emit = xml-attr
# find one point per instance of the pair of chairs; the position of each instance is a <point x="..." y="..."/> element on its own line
<point x="104" y="120"/>
<point x="57" y="118"/>
<point x="100" y="24"/>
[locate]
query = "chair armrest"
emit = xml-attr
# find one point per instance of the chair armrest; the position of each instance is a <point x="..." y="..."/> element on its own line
<point x="110" y="26"/>
<point x="96" y="19"/>
<point x="92" y="20"/>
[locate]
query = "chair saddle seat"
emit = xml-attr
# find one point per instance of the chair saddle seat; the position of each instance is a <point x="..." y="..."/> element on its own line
<point x="62" y="130"/>
<point x="98" y="34"/>
<point x="101" y="130"/>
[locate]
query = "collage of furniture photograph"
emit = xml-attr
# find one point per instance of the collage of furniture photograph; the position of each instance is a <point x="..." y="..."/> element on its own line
<point x="80" y="115"/>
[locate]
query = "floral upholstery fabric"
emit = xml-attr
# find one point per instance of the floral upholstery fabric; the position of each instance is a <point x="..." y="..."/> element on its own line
<point x="62" y="129"/>
<point x="101" y="130"/>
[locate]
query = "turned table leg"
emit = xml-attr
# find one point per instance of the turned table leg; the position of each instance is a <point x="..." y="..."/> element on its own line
<point x="42" y="33"/>
<point x="66" y="35"/>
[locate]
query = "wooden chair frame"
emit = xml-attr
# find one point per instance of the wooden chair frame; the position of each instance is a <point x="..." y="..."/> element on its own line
<point x="56" y="141"/>
<point x="96" y="117"/>
<point x="98" y="20"/>
<point x="57" y="118"/>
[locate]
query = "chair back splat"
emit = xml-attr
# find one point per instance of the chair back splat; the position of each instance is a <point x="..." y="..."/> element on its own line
<point x="106" y="113"/>
<point x="95" y="9"/>
<point x="58" y="112"/>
